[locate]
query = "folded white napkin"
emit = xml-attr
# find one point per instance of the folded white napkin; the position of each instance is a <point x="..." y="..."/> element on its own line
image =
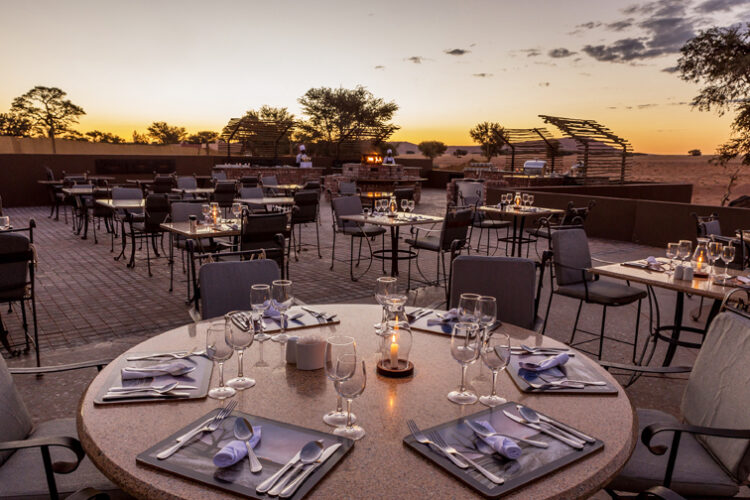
<point x="175" y="368"/>
<point x="546" y="364"/>
<point x="447" y="317"/>
<point x="503" y="445"/>
<point x="236" y="450"/>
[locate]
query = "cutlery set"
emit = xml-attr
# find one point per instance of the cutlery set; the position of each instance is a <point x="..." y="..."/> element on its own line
<point x="320" y="316"/>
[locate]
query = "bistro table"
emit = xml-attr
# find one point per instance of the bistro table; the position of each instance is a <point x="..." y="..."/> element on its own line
<point x="123" y="205"/>
<point x="78" y="192"/>
<point x="394" y="223"/>
<point x="194" y="191"/>
<point x="519" y="215"/>
<point x="379" y="465"/>
<point x="267" y="200"/>
<point x="701" y="287"/>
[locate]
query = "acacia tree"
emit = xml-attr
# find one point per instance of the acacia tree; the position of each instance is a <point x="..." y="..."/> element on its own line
<point x="337" y="116"/>
<point x="48" y="111"/>
<point x="203" y="137"/>
<point x="719" y="59"/>
<point x="490" y="136"/>
<point x="13" y="125"/>
<point x="163" y="133"/>
<point x="140" y="138"/>
<point x="106" y="137"/>
<point x="432" y="149"/>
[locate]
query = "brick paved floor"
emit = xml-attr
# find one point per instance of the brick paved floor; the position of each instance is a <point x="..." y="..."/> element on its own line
<point x="91" y="306"/>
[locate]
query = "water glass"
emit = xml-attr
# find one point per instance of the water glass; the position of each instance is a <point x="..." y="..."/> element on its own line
<point x="673" y="250"/>
<point x="239" y="340"/>
<point x="384" y="287"/>
<point x="495" y="355"/>
<point x="218" y="350"/>
<point x="727" y="255"/>
<point x="466" y="342"/>
<point x="525" y="198"/>
<point x="467" y="306"/>
<point x="714" y="253"/>
<point x="531" y="199"/>
<point x="260" y="299"/>
<point x="404" y="205"/>
<point x="336" y="347"/>
<point x="685" y="248"/>
<point x="411" y="205"/>
<point x="236" y="210"/>
<point x="486" y="313"/>
<point x="366" y="211"/>
<point x="350" y="388"/>
<point x="282" y="300"/>
<point x="4" y="222"/>
<point x="206" y="211"/>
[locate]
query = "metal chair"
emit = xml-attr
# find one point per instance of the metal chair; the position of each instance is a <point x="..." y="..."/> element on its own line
<point x="224" y="194"/>
<point x="268" y="182"/>
<point x="185" y="182"/>
<point x="569" y="260"/>
<point x="352" y="205"/>
<point x="121" y="215"/>
<point x="225" y="286"/>
<point x="267" y="232"/>
<point x="573" y="218"/>
<point x="471" y="194"/>
<point x="251" y="192"/>
<point x="305" y="211"/>
<point x="218" y="175"/>
<point x="348" y="189"/>
<point x="156" y="213"/>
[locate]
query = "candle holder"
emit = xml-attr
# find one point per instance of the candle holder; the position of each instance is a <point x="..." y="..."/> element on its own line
<point x="700" y="259"/>
<point x="394" y="361"/>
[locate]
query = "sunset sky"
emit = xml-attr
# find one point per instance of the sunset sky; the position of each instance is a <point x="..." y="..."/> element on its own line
<point x="447" y="64"/>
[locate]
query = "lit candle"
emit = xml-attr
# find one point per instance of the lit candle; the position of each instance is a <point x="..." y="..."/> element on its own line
<point x="700" y="262"/>
<point x="394" y="352"/>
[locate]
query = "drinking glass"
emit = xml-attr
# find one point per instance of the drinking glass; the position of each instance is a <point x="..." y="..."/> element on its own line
<point x="525" y="198"/>
<point x="260" y="299"/>
<point x="411" y="205"/>
<point x="384" y="286"/>
<point x="239" y="340"/>
<point x="206" y="211"/>
<point x="714" y="253"/>
<point x="218" y="350"/>
<point x="336" y="347"/>
<point x="486" y="314"/>
<point x="282" y="297"/>
<point x="404" y="205"/>
<point x="466" y="343"/>
<point x="366" y="211"/>
<point x="727" y="255"/>
<point x="236" y="210"/>
<point x="685" y="246"/>
<point x="350" y="388"/>
<point x="467" y="306"/>
<point x="673" y="250"/>
<point x="4" y="222"/>
<point x="496" y="355"/>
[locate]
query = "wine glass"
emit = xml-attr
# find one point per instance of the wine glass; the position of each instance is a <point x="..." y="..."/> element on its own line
<point x="4" y="222"/>
<point x="685" y="247"/>
<point x="673" y="250"/>
<point x="282" y="297"/>
<point x="350" y="388"/>
<point x="727" y="255"/>
<point x="337" y="346"/>
<point x="465" y="346"/>
<point x="495" y="354"/>
<point x="405" y="205"/>
<point x="525" y="198"/>
<point x="260" y="299"/>
<point x="239" y="340"/>
<point x="384" y="286"/>
<point x="366" y="211"/>
<point x="531" y="199"/>
<point x="714" y="252"/>
<point x="467" y="306"/>
<point x="486" y="314"/>
<point x="206" y="211"/>
<point x="218" y="350"/>
<point x="411" y="205"/>
<point x="236" y="210"/>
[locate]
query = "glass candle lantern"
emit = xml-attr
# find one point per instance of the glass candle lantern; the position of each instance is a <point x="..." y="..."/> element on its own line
<point x="397" y="340"/>
<point x="396" y="349"/>
<point x="517" y="199"/>
<point x="395" y="315"/>
<point x="700" y="255"/>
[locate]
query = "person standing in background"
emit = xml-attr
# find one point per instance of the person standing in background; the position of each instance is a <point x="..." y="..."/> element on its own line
<point x="389" y="160"/>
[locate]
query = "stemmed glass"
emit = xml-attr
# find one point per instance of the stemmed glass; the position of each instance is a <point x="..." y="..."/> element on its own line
<point x="466" y="343"/>
<point x="411" y="205"/>
<point x="496" y="355"/>
<point x="714" y="253"/>
<point x="218" y="350"/>
<point x="467" y="307"/>
<point x="486" y="315"/>
<point x="727" y="255"/>
<point x="685" y="247"/>
<point x="206" y="211"/>
<point x="282" y="296"/>
<point x="384" y="286"/>
<point x="236" y="210"/>
<point x="673" y="250"/>
<point x="525" y="199"/>
<point x="336" y="347"/>
<point x="366" y="211"/>
<point x="4" y="222"/>
<point x="260" y="299"/>
<point x="531" y="199"/>
<point x="240" y="340"/>
<point x="404" y="205"/>
<point x="350" y="388"/>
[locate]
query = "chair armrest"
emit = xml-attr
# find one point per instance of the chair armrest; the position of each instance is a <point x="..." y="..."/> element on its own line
<point x="44" y="442"/>
<point x="415" y="229"/>
<point x="645" y="369"/>
<point x="603" y="261"/>
<point x="35" y="370"/>
<point x="87" y="494"/>
<point x="657" y="492"/>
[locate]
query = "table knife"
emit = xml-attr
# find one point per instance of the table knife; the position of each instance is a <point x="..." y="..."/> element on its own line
<point x="570" y="442"/>
<point x="567" y="428"/>
<point x="268" y="483"/>
<point x="291" y="488"/>
<point x="146" y="388"/>
<point x="143" y="395"/>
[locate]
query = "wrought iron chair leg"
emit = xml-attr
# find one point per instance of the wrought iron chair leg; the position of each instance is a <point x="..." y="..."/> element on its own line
<point x="575" y="325"/>
<point x="317" y="238"/>
<point x="359" y="253"/>
<point x="25" y="323"/>
<point x="637" y="326"/>
<point x="148" y="253"/>
<point x="333" y="248"/>
<point x="601" y="332"/>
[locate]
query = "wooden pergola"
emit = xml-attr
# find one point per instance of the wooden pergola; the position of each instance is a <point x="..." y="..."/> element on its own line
<point x="257" y="137"/>
<point x="530" y="144"/>
<point x="600" y="152"/>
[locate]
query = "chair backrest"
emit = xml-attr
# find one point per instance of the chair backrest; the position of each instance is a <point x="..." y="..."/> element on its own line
<point x="249" y="181"/>
<point x="225" y="286"/>
<point x="126" y="193"/>
<point x="403" y="194"/>
<point x="186" y="182"/>
<point x="251" y="192"/>
<point x="269" y="180"/>
<point x="75" y="179"/>
<point x="219" y="175"/>
<point x="258" y="231"/>
<point x="163" y="184"/>
<point x="470" y="193"/>
<point x="48" y="173"/>
<point x="15" y="418"/>
<point x="708" y="225"/>
<point x="512" y="281"/>
<point x="347" y="188"/>
<point x="306" y="207"/>
<point x="345" y="205"/>
<point x="157" y="210"/>
<point x="224" y="193"/>
<point x="576" y="216"/>
<point x="15" y="255"/>
<point x="455" y="227"/>
<point x="181" y="211"/>
<point x="311" y="185"/>
<point x="570" y="253"/>
<point x="717" y="394"/>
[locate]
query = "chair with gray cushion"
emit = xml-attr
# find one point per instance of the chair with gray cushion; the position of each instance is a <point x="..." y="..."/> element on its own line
<point x="706" y="452"/>
<point x="305" y="211"/>
<point x="225" y="286"/>
<point x="512" y="281"/>
<point x="185" y="182"/>
<point x="348" y="188"/>
<point x="352" y="205"/>
<point x="156" y="212"/>
<point x="181" y="211"/>
<point x="570" y="259"/>
<point x="268" y="182"/>
<point x="218" y="175"/>
<point x="251" y="192"/>
<point x="44" y="460"/>
<point x="471" y="194"/>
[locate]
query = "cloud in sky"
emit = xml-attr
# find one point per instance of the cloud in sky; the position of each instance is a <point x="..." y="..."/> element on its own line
<point x="710" y="6"/>
<point x="456" y="52"/>
<point x="415" y="59"/>
<point x="620" y="25"/>
<point x="671" y="69"/>
<point x="560" y="52"/>
<point x="379" y="66"/>
<point x="544" y="84"/>
<point x="482" y="75"/>
<point x="531" y="52"/>
<point x="644" y="106"/>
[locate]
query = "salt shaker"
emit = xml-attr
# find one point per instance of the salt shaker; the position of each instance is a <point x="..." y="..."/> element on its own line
<point x="679" y="272"/>
<point x="193" y="223"/>
<point x="688" y="274"/>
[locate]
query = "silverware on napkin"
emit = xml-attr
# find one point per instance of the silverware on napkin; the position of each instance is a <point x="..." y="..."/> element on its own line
<point x="577" y="444"/>
<point x="292" y="487"/>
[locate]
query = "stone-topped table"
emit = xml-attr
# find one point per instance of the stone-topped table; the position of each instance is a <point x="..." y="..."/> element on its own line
<point x="379" y="465"/>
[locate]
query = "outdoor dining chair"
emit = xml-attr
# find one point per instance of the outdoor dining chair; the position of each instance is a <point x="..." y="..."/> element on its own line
<point x="251" y="192"/>
<point x="470" y="194"/>
<point x="267" y="232"/>
<point x="155" y="213"/>
<point x="225" y="286"/>
<point x="706" y="452"/>
<point x="218" y="175"/>
<point x="573" y="218"/>
<point x="569" y="260"/>
<point x="44" y="460"/>
<point x="268" y="182"/>
<point x="348" y="189"/>
<point x="186" y="182"/>
<point x="352" y="205"/>
<point x="249" y="181"/>
<point x="305" y="211"/>
<point x="224" y="194"/>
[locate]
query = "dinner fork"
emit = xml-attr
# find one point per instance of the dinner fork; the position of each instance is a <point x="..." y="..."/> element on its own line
<point x="439" y="441"/>
<point x="421" y="438"/>
<point x="174" y="355"/>
<point x="210" y="427"/>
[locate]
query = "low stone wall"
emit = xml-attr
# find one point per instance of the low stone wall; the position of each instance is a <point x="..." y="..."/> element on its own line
<point x="285" y="175"/>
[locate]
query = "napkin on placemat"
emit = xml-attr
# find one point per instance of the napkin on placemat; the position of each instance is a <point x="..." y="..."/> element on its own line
<point x="177" y="367"/>
<point x="236" y="450"/>
<point x="546" y="364"/>
<point x="447" y="317"/>
<point x="504" y="445"/>
<point x="743" y="279"/>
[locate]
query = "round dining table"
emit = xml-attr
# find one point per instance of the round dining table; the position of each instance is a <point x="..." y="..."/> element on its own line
<point x="380" y="465"/>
